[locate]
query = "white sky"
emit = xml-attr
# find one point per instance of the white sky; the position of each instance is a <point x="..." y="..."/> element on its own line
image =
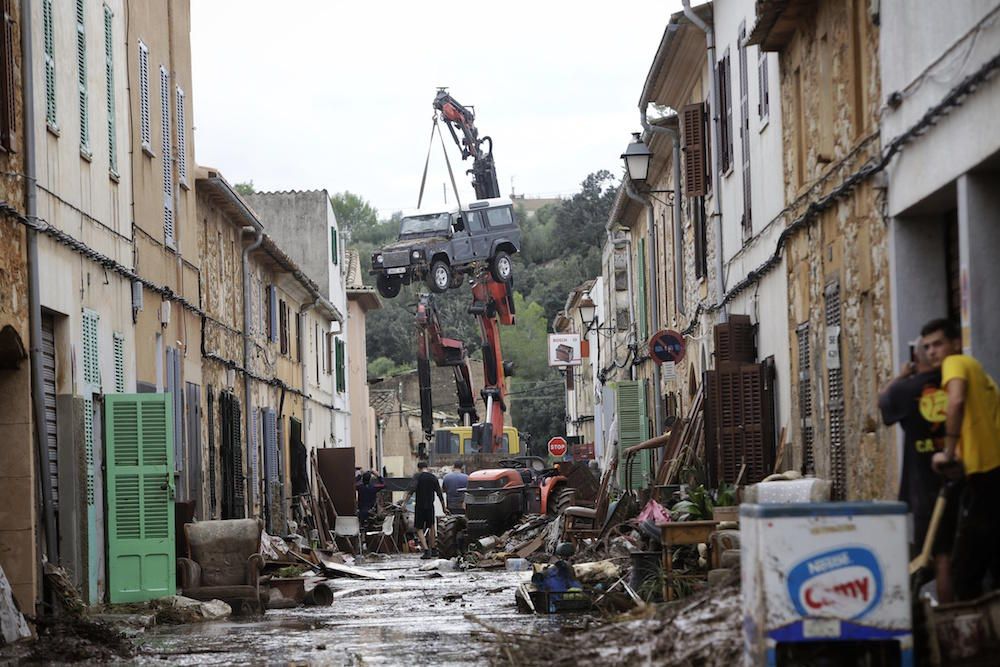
<point x="337" y="95"/>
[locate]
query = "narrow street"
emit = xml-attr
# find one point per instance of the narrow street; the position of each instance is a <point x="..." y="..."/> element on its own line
<point x="413" y="617"/>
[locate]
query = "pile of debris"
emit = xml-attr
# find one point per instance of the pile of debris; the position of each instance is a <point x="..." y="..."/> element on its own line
<point x="704" y="629"/>
<point x="533" y="539"/>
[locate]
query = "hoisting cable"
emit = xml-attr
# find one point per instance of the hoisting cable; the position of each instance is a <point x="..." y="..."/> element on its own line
<point x="451" y="175"/>
<point x="427" y="161"/>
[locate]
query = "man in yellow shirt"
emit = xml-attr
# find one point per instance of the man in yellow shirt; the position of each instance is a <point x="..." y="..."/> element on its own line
<point x="972" y="436"/>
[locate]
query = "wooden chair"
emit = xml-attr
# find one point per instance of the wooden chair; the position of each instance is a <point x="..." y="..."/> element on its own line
<point x="224" y="564"/>
<point x="592" y="517"/>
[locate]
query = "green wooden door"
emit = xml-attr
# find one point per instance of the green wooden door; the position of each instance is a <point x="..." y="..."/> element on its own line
<point x="140" y="489"/>
<point x="633" y="428"/>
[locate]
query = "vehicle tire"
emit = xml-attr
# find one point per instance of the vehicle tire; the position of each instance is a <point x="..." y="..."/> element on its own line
<point x="565" y="497"/>
<point x="388" y="286"/>
<point x="439" y="277"/>
<point x="502" y="267"/>
<point x="448" y="529"/>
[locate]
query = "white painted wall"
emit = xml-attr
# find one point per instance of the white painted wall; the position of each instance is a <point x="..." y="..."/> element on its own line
<point x="914" y="34"/>
<point x="341" y="417"/>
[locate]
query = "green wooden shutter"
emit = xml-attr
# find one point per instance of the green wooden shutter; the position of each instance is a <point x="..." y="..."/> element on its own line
<point x="341" y="371"/>
<point x="633" y="428"/>
<point x="109" y="80"/>
<point x="334" y="255"/>
<point x="81" y="67"/>
<point x="141" y="562"/>
<point x="119" y="352"/>
<point x="50" y="63"/>
<point x="640" y="279"/>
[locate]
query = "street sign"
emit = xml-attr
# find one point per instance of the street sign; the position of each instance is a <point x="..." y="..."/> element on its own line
<point x="666" y="345"/>
<point x="557" y="446"/>
<point x="564" y="350"/>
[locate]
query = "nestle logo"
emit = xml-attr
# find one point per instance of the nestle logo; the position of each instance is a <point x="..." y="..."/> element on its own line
<point x="825" y="563"/>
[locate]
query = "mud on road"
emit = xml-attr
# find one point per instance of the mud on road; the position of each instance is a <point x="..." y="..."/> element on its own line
<point x="411" y="618"/>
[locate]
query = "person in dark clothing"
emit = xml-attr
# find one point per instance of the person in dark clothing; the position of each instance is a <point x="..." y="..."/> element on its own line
<point x="913" y="400"/>
<point x="368" y="487"/>
<point x="425" y="488"/>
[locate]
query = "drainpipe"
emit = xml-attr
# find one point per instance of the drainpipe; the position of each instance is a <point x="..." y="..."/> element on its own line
<point x="654" y="300"/>
<point x="714" y="130"/>
<point x="678" y="250"/>
<point x="34" y="296"/>
<point x="248" y="417"/>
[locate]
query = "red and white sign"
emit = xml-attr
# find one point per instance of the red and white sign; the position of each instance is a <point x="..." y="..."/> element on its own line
<point x="557" y="446"/>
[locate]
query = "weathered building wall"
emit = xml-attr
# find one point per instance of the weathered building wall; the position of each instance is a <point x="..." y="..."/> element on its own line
<point x="18" y="470"/>
<point x="838" y="290"/>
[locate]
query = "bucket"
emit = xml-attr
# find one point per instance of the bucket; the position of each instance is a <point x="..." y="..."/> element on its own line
<point x="321" y="595"/>
<point x="645" y="576"/>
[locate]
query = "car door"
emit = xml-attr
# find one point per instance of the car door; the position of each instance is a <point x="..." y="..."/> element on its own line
<point x="461" y="244"/>
<point x="480" y="235"/>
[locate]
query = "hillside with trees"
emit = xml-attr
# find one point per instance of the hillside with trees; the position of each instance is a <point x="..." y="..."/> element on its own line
<point x="561" y="248"/>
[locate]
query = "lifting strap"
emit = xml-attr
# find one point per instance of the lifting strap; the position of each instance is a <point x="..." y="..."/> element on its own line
<point x="435" y="126"/>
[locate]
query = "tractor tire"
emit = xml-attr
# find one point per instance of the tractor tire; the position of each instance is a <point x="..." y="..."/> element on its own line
<point x="448" y="530"/>
<point x="565" y="497"/>
<point x="439" y="277"/>
<point x="388" y="286"/>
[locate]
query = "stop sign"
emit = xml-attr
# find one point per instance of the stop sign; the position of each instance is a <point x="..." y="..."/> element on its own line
<point x="557" y="446"/>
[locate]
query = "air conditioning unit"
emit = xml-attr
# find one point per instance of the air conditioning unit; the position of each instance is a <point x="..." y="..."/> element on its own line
<point x="164" y="313"/>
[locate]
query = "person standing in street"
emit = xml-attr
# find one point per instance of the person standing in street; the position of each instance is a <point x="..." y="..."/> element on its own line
<point x="367" y="487"/>
<point x="972" y="437"/>
<point x="454" y="484"/>
<point x="425" y="488"/>
<point x="914" y="400"/>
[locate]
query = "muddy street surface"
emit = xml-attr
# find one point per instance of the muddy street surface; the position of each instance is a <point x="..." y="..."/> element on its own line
<point x="411" y="618"/>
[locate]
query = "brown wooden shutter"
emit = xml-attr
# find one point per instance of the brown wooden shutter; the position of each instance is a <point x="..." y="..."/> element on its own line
<point x="693" y="131"/>
<point x="734" y="340"/>
<point x="739" y="423"/>
<point x="8" y="84"/>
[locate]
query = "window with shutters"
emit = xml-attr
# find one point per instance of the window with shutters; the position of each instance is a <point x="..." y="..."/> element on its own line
<point x="328" y="348"/>
<point x="109" y="98"/>
<point x="299" y="336"/>
<point x="334" y="254"/>
<point x="805" y="399"/>
<point x="119" y="352"/>
<point x="8" y="80"/>
<point x="835" y="393"/>
<point x="633" y="428"/>
<point x="48" y="47"/>
<point x="640" y="281"/>
<point x="81" y="76"/>
<point x="145" y="133"/>
<point x="272" y="314"/>
<point x="747" y="221"/>
<point x="283" y="326"/>
<point x="725" y="101"/>
<point x="91" y="358"/>
<point x="693" y="140"/>
<point x="700" y="238"/>
<point x="316" y="347"/>
<point x="341" y="367"/>
<point x="179" y="118"/>
<point x="169" y="232"/>
<point x="763" y="93"/>
<point x="739" y="422"/>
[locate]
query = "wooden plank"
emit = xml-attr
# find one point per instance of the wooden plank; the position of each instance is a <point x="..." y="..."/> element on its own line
<point x="779" y="457"/>
<point x="530" y="547"/>
<point x="338" y="569"/>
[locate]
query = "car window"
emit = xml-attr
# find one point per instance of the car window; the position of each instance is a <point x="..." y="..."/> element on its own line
<point x="475" y="221"/>
<point x="499" y="217"/>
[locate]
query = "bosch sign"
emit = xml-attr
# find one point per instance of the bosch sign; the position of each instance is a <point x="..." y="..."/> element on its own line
<point x="843" y="583"/>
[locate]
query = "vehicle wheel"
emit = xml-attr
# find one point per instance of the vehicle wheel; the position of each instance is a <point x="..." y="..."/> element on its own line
<point x="388" y="286"/>
<point x="565" y="497"/>
<point x="502" y="267"/>
<point x="439" y="277"/>
<point x="448" y="529"/>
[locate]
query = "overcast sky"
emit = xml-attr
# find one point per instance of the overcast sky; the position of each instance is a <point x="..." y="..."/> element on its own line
<point x="337" y="94"/>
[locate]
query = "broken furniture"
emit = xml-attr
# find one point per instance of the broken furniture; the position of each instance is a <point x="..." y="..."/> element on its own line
<point x="224" y="563"/>
<point x="593" y="517"/>
<point x="680" y="533"/>
<point x="385" y="535"/>
<point x="349" y="528"/>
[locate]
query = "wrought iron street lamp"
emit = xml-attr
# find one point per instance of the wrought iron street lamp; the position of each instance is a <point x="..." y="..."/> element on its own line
<point x="636" y="158"/>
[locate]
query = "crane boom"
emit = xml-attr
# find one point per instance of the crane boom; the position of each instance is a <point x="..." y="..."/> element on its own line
<point x="463" y="119"/>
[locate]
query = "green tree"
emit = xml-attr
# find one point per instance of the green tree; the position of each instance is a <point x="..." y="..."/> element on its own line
<point x="358" y="219"/>
<point x="245" y="188"/>
<point x="385" y="367"/>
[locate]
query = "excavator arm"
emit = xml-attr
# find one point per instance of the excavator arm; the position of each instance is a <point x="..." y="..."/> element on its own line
<point x="492" y="305"/>
<point x="461" y="119"/>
